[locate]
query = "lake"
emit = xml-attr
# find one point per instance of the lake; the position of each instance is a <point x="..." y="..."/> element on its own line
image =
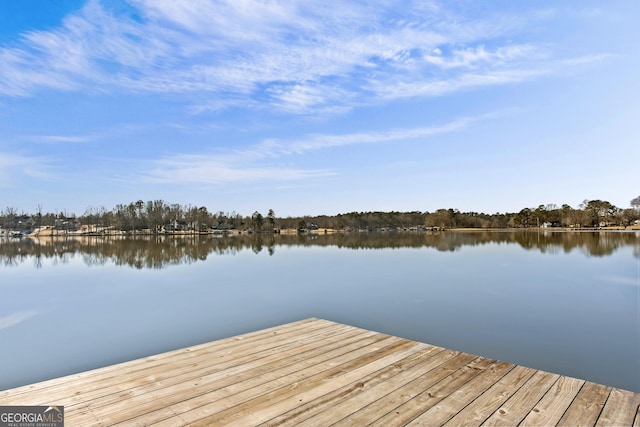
<point x="564" y="302"/>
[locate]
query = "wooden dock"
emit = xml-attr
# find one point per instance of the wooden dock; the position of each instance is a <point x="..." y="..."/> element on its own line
<point x="319" y="373"/>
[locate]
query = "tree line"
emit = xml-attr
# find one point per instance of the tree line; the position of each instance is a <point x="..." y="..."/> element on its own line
<point x="158" y="216"/>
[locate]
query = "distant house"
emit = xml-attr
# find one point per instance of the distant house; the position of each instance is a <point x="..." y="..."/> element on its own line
<point x="67" y="224"/>
<point x="175" y="225"/>
<point x="22" y="223"/>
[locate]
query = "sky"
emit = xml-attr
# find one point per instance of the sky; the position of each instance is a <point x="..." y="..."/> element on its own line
<point x="313" y="107"/>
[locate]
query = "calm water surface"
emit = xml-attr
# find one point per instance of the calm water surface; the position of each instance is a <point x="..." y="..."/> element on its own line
<point x="562" y="302"/>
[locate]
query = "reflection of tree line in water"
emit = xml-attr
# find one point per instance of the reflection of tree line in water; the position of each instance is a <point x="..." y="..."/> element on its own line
<point x="160" y="251"/>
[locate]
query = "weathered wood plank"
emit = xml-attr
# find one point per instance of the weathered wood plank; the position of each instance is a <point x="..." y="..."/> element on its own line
<point x="158" y="369"/>
<point x="142" y="402"/>
<point x="114" y="372"/>
<point x="367" y="359"/>
<point x="177" y="373"/>
<point x="586" y="407"/>
<point x="363" y="407"/>
<point x="636" y="421"/>
<point x="146" y="395"/>
<point x="327" y="395"/>
<point x="555" y="402"/>
<point x="431" y="410"/>
<point x="317" y="372"/>
<point x="490" y="400"/>
<point x="620" y="408"/>
<point x="441" y="386"/>
<point x="513" y="411"/>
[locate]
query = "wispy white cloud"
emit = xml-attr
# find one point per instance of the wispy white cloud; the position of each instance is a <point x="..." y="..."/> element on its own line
<point x="473" y="57"/>
<point x="307" y="98"/>
<point x="439" y="87"/>
<point x="207" y="169"/>
<point x="270" y="159"/>
<point x="300" y="57"/>
<point x="22" y="73"/>
<point x="587" y="59"/>
<point x="62" y="139"/>
<point x="13" y="167"/>
<point x="319" y="142"/>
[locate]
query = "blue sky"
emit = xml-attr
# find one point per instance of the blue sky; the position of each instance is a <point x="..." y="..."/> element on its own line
<point x="313" y="107"/>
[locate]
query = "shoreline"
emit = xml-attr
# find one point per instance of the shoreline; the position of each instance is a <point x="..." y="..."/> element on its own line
<point x="53" y="233"/>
